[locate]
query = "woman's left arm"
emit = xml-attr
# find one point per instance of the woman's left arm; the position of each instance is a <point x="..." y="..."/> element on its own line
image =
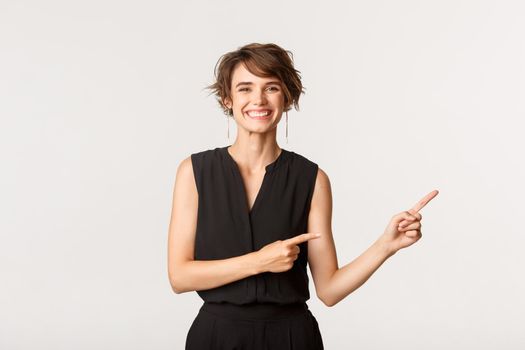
<point x="332" y="283"/>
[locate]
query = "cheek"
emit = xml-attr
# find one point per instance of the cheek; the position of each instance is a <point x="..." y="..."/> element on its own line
<point x="241" y="101"/>
<point x="273" y="100"/>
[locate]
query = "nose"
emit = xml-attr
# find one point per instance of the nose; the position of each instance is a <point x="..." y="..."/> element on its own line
<point x="260" y="98"/>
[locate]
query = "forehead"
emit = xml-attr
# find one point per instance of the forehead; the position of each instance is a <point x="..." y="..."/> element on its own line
<point x="242" y="74"/>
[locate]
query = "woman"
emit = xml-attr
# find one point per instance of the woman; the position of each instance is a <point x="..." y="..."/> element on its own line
<point x="248" y="217"/>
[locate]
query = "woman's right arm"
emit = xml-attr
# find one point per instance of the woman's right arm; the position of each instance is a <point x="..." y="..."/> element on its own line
<point x="186" y="274"/>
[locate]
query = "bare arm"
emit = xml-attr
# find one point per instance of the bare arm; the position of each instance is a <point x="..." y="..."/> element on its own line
<point x="331" y="282"/>
<point x="185" y="273"/>
<point x="206" y="274"/>
<point x="351" y="276"/>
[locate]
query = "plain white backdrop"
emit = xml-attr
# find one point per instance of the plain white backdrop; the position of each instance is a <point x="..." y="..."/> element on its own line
<point x="101" y="100"/>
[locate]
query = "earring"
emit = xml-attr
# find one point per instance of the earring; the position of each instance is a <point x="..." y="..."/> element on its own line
<point x="228" y="122"/>
<point x="286" y="126"/>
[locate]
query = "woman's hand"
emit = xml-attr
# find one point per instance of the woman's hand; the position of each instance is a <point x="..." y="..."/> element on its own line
<point x="404" y="229"/>
<point x="279" y="256"/>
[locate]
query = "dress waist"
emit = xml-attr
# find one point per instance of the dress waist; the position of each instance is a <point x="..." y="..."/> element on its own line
<point x="255" y="311"/>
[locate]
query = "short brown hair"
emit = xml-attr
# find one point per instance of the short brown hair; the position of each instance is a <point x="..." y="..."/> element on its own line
<point x="264" y="60"/>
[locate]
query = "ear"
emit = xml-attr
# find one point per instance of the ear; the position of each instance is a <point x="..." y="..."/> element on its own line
<point x="287" y="104"/>
<point x="227" y="102"/>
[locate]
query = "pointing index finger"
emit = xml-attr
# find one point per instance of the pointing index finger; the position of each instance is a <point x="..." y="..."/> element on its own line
<point x="422" y="202"/>
<point x="302" y="238"/>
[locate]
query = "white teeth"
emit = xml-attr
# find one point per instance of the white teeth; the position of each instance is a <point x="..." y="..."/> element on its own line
<point x="258" y="114"/>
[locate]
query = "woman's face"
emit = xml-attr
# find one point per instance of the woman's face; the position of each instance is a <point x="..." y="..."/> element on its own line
<point x="250" y="94"/>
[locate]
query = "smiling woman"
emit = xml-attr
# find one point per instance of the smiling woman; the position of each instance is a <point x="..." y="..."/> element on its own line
<point x="240" y="213"/>
<point x="257" y="71"/>
<point x="261" y="60"/>
<point x="248" y="218"/>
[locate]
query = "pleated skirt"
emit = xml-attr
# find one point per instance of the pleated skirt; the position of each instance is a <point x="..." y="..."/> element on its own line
<point x="225" y="326"/>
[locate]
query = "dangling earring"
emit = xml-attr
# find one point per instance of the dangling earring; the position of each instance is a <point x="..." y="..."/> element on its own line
<point x="228" y="117"/>
<point x="286" y="126"/>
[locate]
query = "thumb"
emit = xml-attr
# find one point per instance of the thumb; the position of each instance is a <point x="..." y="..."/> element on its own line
<point x="404" y="215"/>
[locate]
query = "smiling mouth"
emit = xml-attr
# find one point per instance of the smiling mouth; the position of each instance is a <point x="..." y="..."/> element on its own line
<point x="259" y="115"/>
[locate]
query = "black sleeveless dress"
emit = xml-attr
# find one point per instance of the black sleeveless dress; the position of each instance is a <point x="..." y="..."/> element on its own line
<point x="268" y="310"/>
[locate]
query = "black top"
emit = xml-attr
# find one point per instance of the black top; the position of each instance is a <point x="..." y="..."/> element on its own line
<point x="227" y="228"/>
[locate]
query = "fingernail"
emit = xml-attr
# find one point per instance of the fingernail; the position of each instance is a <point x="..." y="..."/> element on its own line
<point x="317" y="235"/>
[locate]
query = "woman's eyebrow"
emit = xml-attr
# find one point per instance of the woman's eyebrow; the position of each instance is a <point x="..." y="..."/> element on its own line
<point x="250" y="83"/>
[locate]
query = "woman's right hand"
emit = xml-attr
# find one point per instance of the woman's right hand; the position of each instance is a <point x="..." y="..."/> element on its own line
<point x="279" y="256"/>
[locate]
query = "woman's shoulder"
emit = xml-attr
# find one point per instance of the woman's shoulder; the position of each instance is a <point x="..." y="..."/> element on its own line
<point x="303" y="159"/>
<point x="209" y="153"/>
<point x="306" y="164"/>
<point x="211" y="157"/>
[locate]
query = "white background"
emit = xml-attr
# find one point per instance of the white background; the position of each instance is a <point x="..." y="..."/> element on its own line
<point x="101" y="100"/>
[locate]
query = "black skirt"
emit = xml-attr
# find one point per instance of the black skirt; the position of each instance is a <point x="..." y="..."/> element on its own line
<point x="263" y="326"/>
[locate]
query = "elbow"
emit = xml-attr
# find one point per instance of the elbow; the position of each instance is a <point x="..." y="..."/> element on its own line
<point x="332" y="303"/>
<point x="177" y="287"/>
<point x="177" y="277"/>
<point x="326" y="291"/>
<point x="327" y="299"/>
<point x="328" y="302"/>
<point x="175" y="281"/>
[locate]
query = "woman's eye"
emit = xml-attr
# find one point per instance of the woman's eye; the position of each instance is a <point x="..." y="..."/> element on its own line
<point x="272" y="87"/>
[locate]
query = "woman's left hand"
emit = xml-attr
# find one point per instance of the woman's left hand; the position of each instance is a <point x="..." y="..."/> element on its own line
<point x="404" y="229"/>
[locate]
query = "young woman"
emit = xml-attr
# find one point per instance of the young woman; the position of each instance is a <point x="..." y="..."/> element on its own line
<point x="247" y="218"/>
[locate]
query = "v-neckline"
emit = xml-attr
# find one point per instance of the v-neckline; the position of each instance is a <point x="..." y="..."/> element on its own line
<point x="268" y="169"/>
